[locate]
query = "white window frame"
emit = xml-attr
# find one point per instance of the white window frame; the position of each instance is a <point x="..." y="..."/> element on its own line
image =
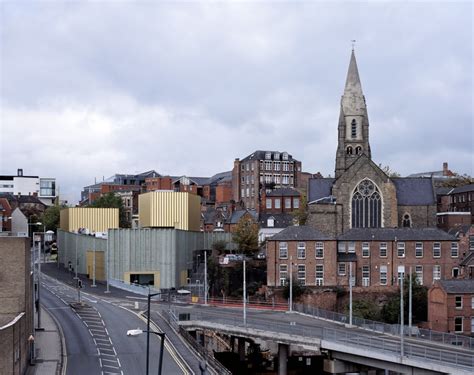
<point x="301" y="250"/>
<point x="458" y="302"/>
<point x="319" y="248"/>
<point x="383" y="275"/>
<point x="365" y="250"/>
<point x="419" y="249"/>
<point x="437" y="250"/>
<point x="296" y="203"/>
<point x="383" y="247"/>
<point x="288" y="203"/>
<point x="436" y="272"/>
<point x="472" y="302"/>
<point x="454" y="250"/>
<point x="268" y="203"/>
<point x="283" y="270"/>
<point x="400" y="248"/>
<point x="419" y="273"/>
<point x="365" y="275"/>
<point x="301" y="273"/>
<point x="462" y="324"/>
<point x="277" y="203"/>
<point x="341" y="272"/>
<point x="351" y="247"/>
<point x="319" y="275"/>
<point x="283" y="249"/>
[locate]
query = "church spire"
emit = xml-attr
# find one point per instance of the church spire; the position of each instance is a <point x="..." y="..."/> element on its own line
<point x="353" y="85"/>
<point x="353" y="129"/>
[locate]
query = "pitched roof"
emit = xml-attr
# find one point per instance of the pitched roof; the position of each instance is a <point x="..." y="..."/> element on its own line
<point x="400" y="234"/>
<point x="300" y="233"/>
<point x="280" y="220"/>
<point x="237" y="215"/>
<point x="353" y="85"/>
<point x="319" y="188"/>
<point x="463" y="189"/>
<point x="260" y="155"/>
<point x="284" y="192"/>
<point x="458" y="286"/>
<point x="414" y="191"/>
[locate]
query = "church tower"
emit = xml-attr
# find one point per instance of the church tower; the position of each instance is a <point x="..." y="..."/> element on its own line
<point x="353" y="128"/>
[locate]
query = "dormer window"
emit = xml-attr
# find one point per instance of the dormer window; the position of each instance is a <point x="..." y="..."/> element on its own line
<point x="285" y="156"/>
<point x="268" y="155"/>
<point x="270" y="222"/>
<point x="354" y="129"/>
<point x="276" y="156"/>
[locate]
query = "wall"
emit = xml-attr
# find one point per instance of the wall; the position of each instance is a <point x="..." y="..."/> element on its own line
<point x="14" y="350"/>
<point x="94" y="219"/>
<point x="26" y="185"/>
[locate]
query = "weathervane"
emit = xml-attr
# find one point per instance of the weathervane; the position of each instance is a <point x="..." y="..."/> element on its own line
<point x="353" y="43"/>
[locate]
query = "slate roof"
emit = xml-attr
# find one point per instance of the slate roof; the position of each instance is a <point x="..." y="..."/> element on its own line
<point x="443" y="190"/>
<point x="463" y="189"/>
<point x="414" y="191"/>
<point x="281" y="220"/>
<point x="284" y="192"/>
<point x="402" y="234"/>
<point x="260" y="155"/>
<point x="237" y="215"/>
<point x="319" y="188"/>
<point x="458" y="229"/>
<point x="300" y="233"/>
<point x="458" y="286"/>
<point x="221" y="177"/>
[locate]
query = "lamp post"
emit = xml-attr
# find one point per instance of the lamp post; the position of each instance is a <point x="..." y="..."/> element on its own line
<point x="136" y="332"/>
<point x="38" y="276"/>
<point x="205" y="277"/>
<point x="245" y="294"/>
<point x="93" y="265"/>
<point x="350" y="294"/>
<point x="402" y="275"/>
<point x="148" y="335"/>
<point x="291" y="283"/>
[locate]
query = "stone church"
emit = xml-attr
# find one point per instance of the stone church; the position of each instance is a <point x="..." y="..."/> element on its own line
<point x="361" y="195"/>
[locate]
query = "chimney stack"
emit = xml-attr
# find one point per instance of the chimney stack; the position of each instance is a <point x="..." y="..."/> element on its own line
<point x="20" y="172"/>
<point x="445" y="168"/>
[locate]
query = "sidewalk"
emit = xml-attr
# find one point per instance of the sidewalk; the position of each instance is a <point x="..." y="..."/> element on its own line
<point x="49" y="348"/>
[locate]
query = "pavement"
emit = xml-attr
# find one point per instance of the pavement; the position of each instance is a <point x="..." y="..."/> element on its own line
<point x="49" y="347"/>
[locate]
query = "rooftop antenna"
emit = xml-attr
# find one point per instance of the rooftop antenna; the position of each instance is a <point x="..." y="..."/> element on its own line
<point x="353" y="41"/>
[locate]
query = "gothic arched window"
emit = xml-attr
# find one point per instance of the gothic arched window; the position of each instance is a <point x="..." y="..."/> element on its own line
<point x="366" y="206"/>
<point x="354" y="129"/>
<point x="358" y="150"/>
<point x="349" y="150"/>
<point x="406" y="221"/>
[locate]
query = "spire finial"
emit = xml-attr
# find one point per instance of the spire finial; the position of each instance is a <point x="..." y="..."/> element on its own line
<point x="353" y="41"/>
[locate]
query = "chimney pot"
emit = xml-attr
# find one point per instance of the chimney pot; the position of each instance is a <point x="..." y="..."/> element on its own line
<point x="20" y="172"/>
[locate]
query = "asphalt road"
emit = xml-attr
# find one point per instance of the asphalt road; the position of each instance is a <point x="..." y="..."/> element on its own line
<point x="95" y="334"/>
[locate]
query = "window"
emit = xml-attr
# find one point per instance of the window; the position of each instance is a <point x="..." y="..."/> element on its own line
<point x="248" y="192"/>
<point x="252" y="167"/>
<point x="296" y="203"/>
<point x="458" y="302"/>
<point x="252" y="192"/>
<point x="383" y="275"/>
<point x="383" y="249"/>
<point x="401" y="249"/>
<point x="277" y="202"/>
<point x="283" y="274"/>
<point x="349" y="150"/>
<point x="354" y="129"/>
<point x="283" y="250"/>
<point x="471" y="243"/>
<point x="406" y="221"/>
<point x="365" y="275"/>
<point x="242" y="167"/>
<point x="268" y="203"/>
<point x="277" y="179"/>
<point x="419" y="249"/>
<point x="276" y="165"/>
<point x="319" y="250"/>
<point x="401" y="274"/>
<point x="287" y="202"/>
<point x="365" y="249"/>
<point x="284" y="179"/>
<point x="472" y="303"/>
<point x="285" y="156"/>
<point x="301" y="250"/>
<point x="286" y="166"/>
<point x="455" y="272"/>
<point x="248" y="179"/>
<point x="366" y="206"/>
<point x="242" y="191"/>
<point x="419" y="274"/>
<point x="341" y="269"/>
<point x="319" y="275"/>
<point x="268" y="178"/>
<point x="458" y="324"/>
<point x="358" y="150"/>
<point x="454" y="250"/>
<point x="276" y="156"/>
<point x="242" y="180"/>
<point x="436" y="250"/>
<point x="436" y="272"/>
<point x="268" y="155"/>
<point x="341" y="247"/>
<point x="268" y="165"/>
<point x="270" y="222"/>
<point x="301" y="274"/>
<point x="247" y="166"/>
<point x="351" y="247"/>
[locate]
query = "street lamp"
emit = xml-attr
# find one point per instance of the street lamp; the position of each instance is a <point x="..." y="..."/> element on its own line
<point x="148" y="335"/>
<point x="38" y="277"/>
<point x="136" y="332"/>
<point x="245" y="294"/>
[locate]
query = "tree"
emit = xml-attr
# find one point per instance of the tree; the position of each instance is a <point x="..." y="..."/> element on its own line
<point x="219" y="246"/>
<point x="389" y="172"/>
<point x="110" y="200"/>
<point x="301" y="214"/>
<point x="246" y="235"/>
<point x="51" y="217"/>
<point x="391" y="311"/>
<point x="457" y="181"/>
<point x="366" y="309"/>
<point x="298" y="289"/>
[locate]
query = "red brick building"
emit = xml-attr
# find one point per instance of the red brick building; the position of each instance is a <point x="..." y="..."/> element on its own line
<point x="451" y="306"/>
<point x="280" y="201"/>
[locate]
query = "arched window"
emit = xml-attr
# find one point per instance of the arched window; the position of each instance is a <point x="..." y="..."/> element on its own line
<point x="358" y="150"/>
<point x="406" y="221"/>
<point x="349" y="150"/>
<point x="366" y="206"/>
<point x="354" y="129"/>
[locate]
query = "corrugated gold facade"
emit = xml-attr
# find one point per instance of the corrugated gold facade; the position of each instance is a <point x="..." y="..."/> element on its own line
<point x="94" y="219"/>
<point x="169" y="209"/>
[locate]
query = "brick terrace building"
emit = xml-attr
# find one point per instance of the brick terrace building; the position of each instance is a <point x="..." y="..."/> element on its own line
<point x="377" y="256"/>
<point x="462" y="200"/>
<point x="263" y="169"/>
<point x="451" y="306"/>
<point x="279" y="201"/>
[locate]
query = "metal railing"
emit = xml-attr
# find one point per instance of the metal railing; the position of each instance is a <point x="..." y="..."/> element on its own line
<point x="354" y="340"/>
<point x="393" y="329"/>
<point x="209" y="358"/>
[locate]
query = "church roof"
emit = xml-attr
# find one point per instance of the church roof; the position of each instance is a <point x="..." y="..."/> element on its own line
<point x="400" y="234"/>
<point x="353" y="84"/>
<point x="319" y="188"/>
<point x="300" y="233"/>
<point x="414" y="191"/>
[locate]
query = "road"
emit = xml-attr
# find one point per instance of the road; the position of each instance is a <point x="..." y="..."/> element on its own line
<point x="95" y="334"/>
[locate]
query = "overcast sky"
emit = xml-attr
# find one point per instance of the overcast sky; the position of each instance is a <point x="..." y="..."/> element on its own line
<point x="89" y="89"/>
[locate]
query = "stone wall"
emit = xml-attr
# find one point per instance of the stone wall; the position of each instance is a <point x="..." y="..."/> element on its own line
<point x="421" y="216"/>
<point x="325" y="218"/>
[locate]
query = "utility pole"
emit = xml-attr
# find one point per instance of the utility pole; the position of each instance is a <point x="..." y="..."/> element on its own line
<point x="93" y="265"/>
<point x="245" y="296"/>
<point x="350" y="293"/>
<point x="291" y="283"/>
<point x="108" y="261"/>
<point x="39" y="284"/>
<point x="410" y="302"/>
<point x="402" y="275"/>
<point x="205" y="277"/>
<point x="75" y="266"/>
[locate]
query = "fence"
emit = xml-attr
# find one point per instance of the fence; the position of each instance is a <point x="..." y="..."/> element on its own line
<point x="393" y="329"/>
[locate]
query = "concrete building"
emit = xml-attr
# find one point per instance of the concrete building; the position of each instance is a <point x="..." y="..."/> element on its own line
<point x="42" y="187"/>
<point x="169" y="209"/>
<point x="16" y="307"/>
<point x="451" y="306"/>
<point x="91" y="219"/>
